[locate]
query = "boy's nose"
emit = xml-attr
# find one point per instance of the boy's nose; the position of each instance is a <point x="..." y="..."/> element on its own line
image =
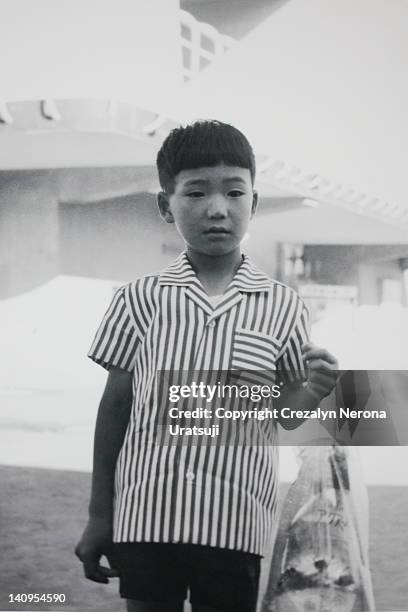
<point x="217" y="207"/>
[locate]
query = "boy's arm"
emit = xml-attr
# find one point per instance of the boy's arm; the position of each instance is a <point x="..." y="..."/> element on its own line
<point x="112" y="421"/>
<point x="322" y="369"/>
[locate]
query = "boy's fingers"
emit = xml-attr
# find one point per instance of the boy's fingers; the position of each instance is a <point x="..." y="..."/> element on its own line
<point x="324" y="378"/>
<point x="99" y="573"/>
<point x="109" y="572"/>
<point x="322" y="373"/>
<point x="92" y="572"/>
<point x="317" y="353"/>
<point x="321" y="389"/>
<point x="322" y="364"/>
<point x="322" y="369"/>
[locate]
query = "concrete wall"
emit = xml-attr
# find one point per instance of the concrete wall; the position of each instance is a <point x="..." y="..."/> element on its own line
<point x="29" y="232"/>
<point x="116" y="239"/>
<point x="101" y="223"/>
<point x="91" y="222"/>
<point x="365" y="267"/>
<point x="57" y="222"/>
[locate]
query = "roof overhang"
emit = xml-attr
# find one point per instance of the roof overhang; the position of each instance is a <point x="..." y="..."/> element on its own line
<point x="321" y="89"/>
<point x="78" y="133"/>
<point x="326" y="129"/>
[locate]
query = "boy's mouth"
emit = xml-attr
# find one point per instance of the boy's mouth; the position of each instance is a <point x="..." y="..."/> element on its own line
<point x="216" y="230"/>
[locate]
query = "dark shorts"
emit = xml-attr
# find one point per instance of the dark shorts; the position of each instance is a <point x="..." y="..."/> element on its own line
<point x="215" y="577"/>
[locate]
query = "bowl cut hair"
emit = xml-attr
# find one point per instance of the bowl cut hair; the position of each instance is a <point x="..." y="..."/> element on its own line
<point x="202" y="144"/>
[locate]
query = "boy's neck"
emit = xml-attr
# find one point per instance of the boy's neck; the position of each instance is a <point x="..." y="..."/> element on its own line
<point x="215" y="272"/>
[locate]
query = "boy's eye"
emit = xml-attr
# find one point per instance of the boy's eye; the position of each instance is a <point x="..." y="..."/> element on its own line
<point x="235" y="193"/>
<point x="196" y="194"/>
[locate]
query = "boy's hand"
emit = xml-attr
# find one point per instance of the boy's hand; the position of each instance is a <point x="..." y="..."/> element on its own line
<point x="322" y="369"/>
<point x="95" y="542"/>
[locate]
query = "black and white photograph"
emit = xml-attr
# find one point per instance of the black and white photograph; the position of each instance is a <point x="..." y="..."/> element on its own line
<point x="203" y="306"/>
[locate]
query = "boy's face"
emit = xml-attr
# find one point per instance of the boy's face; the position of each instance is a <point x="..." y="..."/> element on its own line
<point x="211" y="207"/>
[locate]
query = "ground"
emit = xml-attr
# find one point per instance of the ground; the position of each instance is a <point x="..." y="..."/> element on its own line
<point x="42" y="513"/>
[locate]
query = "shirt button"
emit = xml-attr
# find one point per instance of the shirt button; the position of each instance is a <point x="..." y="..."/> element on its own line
<point x="190" y="476"/>
<point x="211" y="324"/>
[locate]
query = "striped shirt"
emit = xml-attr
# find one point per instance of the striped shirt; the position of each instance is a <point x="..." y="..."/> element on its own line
<point x="216" y="495"/>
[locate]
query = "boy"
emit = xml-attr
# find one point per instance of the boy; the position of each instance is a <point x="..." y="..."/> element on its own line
<point x="195" y="519"/>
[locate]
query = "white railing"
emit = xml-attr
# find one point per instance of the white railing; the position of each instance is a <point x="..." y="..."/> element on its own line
<point x="201" y="44"/>
<point x="316" y="188"/>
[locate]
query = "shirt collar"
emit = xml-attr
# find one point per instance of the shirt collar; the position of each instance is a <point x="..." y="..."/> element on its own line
<point x="248" y="277"/>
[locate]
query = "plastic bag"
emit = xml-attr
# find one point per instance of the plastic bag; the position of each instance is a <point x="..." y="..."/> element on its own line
<point x="320" y="557"/>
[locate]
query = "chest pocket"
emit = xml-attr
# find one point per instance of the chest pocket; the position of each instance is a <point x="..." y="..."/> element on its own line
<point x="254" y="355"/>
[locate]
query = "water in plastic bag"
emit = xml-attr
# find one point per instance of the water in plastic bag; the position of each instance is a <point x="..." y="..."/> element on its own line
<point x="320" y="557"/>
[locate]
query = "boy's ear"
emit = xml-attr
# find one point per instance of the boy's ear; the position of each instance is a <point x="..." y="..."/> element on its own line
<point x="255" y="201"/>
<point x="163" y="203"/>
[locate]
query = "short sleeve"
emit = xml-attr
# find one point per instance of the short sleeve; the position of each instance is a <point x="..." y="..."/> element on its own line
<point x="290" y="363"/>
<point x="116" y="340"/>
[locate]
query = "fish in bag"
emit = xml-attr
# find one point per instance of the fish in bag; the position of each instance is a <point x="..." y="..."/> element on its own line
<point x="320" y="557"/>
